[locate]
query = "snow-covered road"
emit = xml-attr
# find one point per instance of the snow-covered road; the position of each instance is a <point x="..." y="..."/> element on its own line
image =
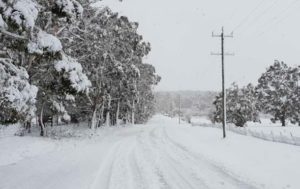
<point x="161" y="154"/>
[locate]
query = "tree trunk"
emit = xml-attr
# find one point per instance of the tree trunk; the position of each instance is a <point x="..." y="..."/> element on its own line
<point x="117" y="113"/>
<point x="108" y="111"/>
<point x="28" y="126"/>
<point x="102" y="115"/>
<point x="41" y="123"/>
<point x="283" y="121"/>
<point x="132" y="113"/>
<point x="94" y="118"/>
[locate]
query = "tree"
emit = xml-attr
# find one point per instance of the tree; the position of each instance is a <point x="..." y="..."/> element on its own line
<point x="17" y="96"/>
<point x="86" y="62"/>
<point x="146" y="105"/>
<point x="30" y="37"/>
<point x="295" y="73"/>
<point x="111" y="51"/>
<point x="276" y="88"/>
<point x="241" y="105"/>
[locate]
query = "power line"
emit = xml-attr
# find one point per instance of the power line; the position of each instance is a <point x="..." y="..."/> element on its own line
<point x="222" y="54"/>
<point x="257" y="17"/>
<point x="278" y="19"/>
<point x="243" y="21"/>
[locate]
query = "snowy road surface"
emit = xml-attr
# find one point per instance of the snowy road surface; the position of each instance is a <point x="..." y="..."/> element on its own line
<point x="161" y="154"/>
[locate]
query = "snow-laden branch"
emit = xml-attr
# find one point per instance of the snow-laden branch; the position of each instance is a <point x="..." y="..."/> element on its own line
<point x="12" y="35"/>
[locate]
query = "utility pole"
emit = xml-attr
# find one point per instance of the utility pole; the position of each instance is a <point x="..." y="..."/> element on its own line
<point x="222" y="54"/>
<point x="179" y="113"/>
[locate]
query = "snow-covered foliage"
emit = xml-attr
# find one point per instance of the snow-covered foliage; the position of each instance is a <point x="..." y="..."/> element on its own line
<point x="21" y="13"/>
<point x="31" y="36"/>
<point x="70" y="98"/>
<point x="276" y="94"/>
<point x="17" y="95"/>
<point x="112" y="52"/>
<point x="73" y="72"/>
<point x="3" y="25"/>
<point x="95" y="56"/>
<point x="70" y="8"/>
<point x="135" y="70"/>
<point x="277" y="90"/>
<point x="60" y="108"/>
<point x="44" y="42"/>
<point x="241" y="105"/>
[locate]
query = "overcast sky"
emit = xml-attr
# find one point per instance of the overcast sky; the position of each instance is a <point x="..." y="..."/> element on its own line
<point x="180" y="34"/>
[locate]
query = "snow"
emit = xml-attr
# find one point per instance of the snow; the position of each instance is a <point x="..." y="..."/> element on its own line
<point x="200" y="120"/>
<point x="160" y="154"/>
<point x="9" y="130"/>
<point x="23" y="148"/>
<point x="136" y="70"/>
<point x="23" y="12"/>
<point x="70" y="7"/>
<point x="44" y="42"/>
<point x="79" y="81"/>
<point x="3" y="25"/>
<point x="70" y="98"/>
<point x="28" y="10"/>
<point x="61" y="109"/>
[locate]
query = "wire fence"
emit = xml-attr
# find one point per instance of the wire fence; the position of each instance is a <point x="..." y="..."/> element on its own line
<point x="287" y="137"/>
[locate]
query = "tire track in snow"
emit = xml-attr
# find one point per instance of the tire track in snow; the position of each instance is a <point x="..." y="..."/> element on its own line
<point x="176" y="168"/>
<point x="103" y="175"/>
<point x="119" y="169"/>
<point x="199" y="160"/>
<point x="147" y="161"/>
<point x="150" y="159"/>
<point x="168" y="172"/>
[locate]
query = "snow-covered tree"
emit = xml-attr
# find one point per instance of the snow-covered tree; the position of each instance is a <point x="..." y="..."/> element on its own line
<point x="295" y="98"/>
<point x="241" y="105"/>
<point x="83" y="60"/>
<point x="30" y="36"/>
<point x="145" y="107"/>
<point x="276" y="89"/>
<point x="110" y="51"/>
<point x="17" y="95"/>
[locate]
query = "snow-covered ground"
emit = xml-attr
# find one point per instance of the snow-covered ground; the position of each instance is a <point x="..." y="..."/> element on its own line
<point x="160" y="154"/>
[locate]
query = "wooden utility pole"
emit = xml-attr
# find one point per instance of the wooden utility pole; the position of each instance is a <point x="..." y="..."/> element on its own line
<point x="222" y="54"/>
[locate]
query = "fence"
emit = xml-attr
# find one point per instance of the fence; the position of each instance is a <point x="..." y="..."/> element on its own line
<point x="264" y="135"/>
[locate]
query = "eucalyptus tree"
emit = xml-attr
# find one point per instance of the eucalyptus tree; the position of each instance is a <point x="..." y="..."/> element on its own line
<point x="30" y="32"/>
<point x="276" y="89"/>
<point x="110" y="51"/>
<point x="241" y="105"/>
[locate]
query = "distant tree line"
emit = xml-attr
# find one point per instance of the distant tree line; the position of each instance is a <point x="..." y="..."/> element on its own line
<point x="277" y="94"/>
<point x="192" y="103"/>
<point x="64" y="60"/>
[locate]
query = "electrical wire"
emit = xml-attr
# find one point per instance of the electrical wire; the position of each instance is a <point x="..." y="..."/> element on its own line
<point x="278" y="19"/>
<point x="243" y="21"/>
<point x="259" y="16"/>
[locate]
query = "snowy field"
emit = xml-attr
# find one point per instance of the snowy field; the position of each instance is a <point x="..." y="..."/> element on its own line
<point x="160" y="154"/>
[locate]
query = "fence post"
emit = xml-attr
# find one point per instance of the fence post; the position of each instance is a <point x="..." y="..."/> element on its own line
<point x="263" y="135"/>
<point x="295" y="142"/>
<point x="272" y="134"/>
<point x="281" y="136"/>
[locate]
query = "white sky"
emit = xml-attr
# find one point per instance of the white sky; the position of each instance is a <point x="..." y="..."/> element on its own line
<point x="180" y="34"/>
